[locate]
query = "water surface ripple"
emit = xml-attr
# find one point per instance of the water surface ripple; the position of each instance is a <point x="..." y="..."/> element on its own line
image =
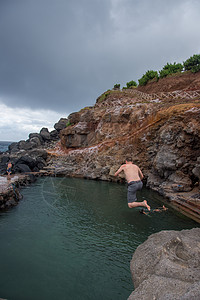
<point x="74" y="239"/>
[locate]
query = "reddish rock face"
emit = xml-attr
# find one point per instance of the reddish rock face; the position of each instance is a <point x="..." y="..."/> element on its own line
<point x="160" y="131"/>
<point x="186" y="81"/>
<point x="161" y="135"/>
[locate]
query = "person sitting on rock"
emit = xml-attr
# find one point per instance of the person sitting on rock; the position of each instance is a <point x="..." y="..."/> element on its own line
<point x="134" y="178"/>
<point x="9" y="168"/>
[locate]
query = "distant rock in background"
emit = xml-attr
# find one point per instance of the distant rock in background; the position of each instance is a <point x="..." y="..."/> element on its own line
<point x="30" y="155"/>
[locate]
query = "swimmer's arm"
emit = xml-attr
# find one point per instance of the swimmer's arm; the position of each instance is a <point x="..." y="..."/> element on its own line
<point x="119" y="170"/>
<point x="140" y="174"/>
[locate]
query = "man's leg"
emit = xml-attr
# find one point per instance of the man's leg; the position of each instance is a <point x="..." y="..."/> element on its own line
<point x="136" y="204"/>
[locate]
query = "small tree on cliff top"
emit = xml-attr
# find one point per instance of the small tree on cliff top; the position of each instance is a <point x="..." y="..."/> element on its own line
<point x="192" y="63"/>
<point x="169" y="69"/>
<point x="117" y="86"/>
<point x="130" y="84"/>
<point x="149" y="75"/>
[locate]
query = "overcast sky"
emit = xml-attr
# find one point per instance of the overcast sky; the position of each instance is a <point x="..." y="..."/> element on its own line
<point x="58" y="56"/>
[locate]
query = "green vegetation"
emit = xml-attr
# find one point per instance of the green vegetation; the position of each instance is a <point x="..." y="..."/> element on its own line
<point x="86" y="108"/>
<point x="104" y="96"/>
<point x="149" y="75"/>
<point x="117" y="86"/>
<point x="169" y="69"/>
<point x="68" y="124"/>
<point x="193" y="63"/>
<point x="130" y="84"/>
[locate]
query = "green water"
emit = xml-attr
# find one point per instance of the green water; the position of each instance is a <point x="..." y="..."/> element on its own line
<point x="74" y="239"/>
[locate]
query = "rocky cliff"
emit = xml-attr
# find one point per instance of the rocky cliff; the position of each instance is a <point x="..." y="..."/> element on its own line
<point x="159" y="130"/>
<point x="157" y="125"/>
<point x="167" y="267"/>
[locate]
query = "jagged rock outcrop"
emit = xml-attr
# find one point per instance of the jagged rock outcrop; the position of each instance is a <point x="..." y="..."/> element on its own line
<point x="10" y="189"/>
<point x="160" y="131"/>
<point x="61" y="124"/>
<point x="167" y="266"/>
<point x="162" y="137"/>
<point x="157" y="125"/>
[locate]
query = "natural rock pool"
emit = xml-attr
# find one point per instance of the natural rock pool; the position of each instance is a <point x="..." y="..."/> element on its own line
<point x="74" y="239"/>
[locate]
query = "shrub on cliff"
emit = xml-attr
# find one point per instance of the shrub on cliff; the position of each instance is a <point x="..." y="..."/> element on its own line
<point x="68" y="124"/>
<point x="149" y="75"/>
<point x="117" y="86"/>
<point x="130" y="84"/>
<point x="169" y="69"/>
<point x="192" y="63"/>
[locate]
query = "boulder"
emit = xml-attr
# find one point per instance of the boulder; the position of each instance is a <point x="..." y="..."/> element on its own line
<point x="35" y="153"/>
<point x="40" y="163"/>
<point x="27" y="160"/>
<point x="54" y="134"/>
<point x="5" y="159"/>
<point x="35" y="142"/>
<point x="167" y="266"/>
<point x="61" y="124"/>
<point x="21" y="168"/>
<point x="81" y="134"/>
<point x="14" y="147"/>
<point x="74" y="118"/>
<point x="44" y="132"/>
<point x="24" y="145"/>
<point x="36" y="135"/>
<point x="165" y="160"/>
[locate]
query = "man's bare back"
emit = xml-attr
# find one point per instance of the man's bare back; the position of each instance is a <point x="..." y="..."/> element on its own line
<point x="131" y="171"/>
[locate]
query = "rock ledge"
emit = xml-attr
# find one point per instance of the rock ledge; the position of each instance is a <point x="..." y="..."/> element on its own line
<point x="167" y="266"/>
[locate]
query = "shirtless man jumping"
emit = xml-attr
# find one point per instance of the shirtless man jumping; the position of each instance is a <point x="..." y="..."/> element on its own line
<point x="134" y="178"/>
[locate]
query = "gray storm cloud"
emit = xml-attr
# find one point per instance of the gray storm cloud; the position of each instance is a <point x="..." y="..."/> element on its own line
<point x="62" y="55"/>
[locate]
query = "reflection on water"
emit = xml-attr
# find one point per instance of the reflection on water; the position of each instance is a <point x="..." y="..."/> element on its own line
<point x="74" y="239"/>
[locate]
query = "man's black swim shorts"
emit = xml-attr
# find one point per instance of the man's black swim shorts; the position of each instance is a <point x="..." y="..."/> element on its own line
<point x="133" y="187"/>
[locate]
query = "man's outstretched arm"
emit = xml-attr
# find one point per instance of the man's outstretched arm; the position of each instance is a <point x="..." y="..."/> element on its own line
<point x="140" y="174"/>
<point x="118" y="171"/>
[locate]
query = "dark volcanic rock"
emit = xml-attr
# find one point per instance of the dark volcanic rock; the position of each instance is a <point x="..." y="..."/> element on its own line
<point x="36" y="135"/>
<point x="27" y="160"/>
<point x="61" y="124"/>
<point x="35" y="153"/>
<point x="21" y="168"/>
<point x="54" y="134"/>
<point x="167" y="266"/>
<point x="4" y="159"/>
<point x="24" y="145"/>
<point x="44" y="132"/>
<point x="35" y="142"/>
<point x="13" y="147"/>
